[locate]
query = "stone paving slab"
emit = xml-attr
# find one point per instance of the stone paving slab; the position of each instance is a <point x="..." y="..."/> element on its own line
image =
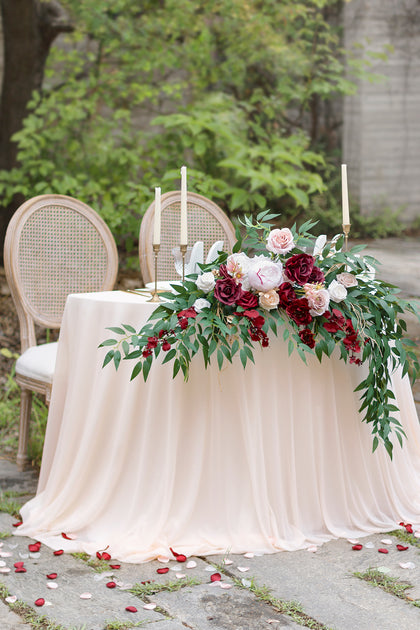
<point x="324" y="584"/>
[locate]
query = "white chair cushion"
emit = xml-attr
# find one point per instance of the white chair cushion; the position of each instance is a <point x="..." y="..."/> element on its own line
<point x="38" y="362"/>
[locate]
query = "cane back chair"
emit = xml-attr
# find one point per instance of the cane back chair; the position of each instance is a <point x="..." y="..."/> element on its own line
<point x="55" y="245"/>
<point x="206" y="222"/>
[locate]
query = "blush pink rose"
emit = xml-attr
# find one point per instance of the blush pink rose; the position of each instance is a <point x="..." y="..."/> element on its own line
<point x="347" y="279"/>
<point x="269" y="300"/>
<point x="280" y="241"/>
<point x="264" y="274"/>
<point x="318" y="299"/>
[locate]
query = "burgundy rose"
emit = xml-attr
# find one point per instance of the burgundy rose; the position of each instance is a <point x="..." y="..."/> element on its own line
<point x="307" y="337"/>
<point x="248" y="300"/>
<point x="317" y="276"/>
<point x="223" y="272"/>
<point x="286" y="294"/>
<point x="188" y="312"/>
<point x="298" y="310"/>
<point x="299" y="267"/>
<point x="336" y="321"/>
<point x="227" y="291"/>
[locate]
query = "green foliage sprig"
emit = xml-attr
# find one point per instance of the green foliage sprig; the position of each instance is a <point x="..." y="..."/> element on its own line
<point x="210" y="313"/>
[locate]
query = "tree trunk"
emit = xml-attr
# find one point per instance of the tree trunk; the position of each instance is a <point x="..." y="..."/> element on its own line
<point x="29" y="28"/>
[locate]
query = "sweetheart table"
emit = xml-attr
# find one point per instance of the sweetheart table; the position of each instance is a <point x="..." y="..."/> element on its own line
<point x="273" y="457"/>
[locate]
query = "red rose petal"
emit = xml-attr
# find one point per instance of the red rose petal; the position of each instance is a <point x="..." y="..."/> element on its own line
<point x="111" y="585"/>
<point x="34" y="547"/>
<point x="22" y="570"/>
<point x="402" y="548"/>
<point x="103" y="555"/>
<point x="115" y="566"/>
<point x="162" y="570"/>
<point x="18" y="565"/>
<point x="181" y="558"/>
<point x="174" y="553"/>
<point x="18" y="524"/>
<point x="59" y="552"/>
<point x="357" y="547"/>
<point x="51" y="576"/>
<point x="65" y="536"/>
<point x="40" y="601"/>
<point x="131" y="608"/>
<point x="409" y="529"/>
<point x="383" y="550"/>
<point x="215" y="577"/>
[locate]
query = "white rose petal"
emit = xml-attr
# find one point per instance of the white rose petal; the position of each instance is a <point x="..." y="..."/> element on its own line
<point x="150" y="606"/>
<point x="407" y="565"/>
<point x="200" y="304"/>
<point x="191" y="564"/>
<point x="11" y="599"/>
<point x="85" y="596"/>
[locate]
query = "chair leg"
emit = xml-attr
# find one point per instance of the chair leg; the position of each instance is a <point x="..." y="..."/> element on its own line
<point x="25" y="414"/>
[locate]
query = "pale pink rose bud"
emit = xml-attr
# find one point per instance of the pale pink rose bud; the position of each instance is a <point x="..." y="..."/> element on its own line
<point x="269" y="300"/>
<point x="347" y="279"/>
<point x="318" y="299"/>
<point x="280" y="241"/>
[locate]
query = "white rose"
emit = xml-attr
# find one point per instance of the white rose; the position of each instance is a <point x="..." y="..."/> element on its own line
<point x="201" y="303"/>
<point x="337" y="291"/>
<point x="264" y="274"/>
<point x="280" y="241"/>
<point x="269" y="300"/>
<point x="206" y="281"/>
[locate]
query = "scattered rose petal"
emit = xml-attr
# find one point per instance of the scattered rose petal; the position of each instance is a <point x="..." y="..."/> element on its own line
<point x="52" y="585"/>
<point x="215" y="584"/>
<point x="181" y="558"/>
<point x="175" y="567"/>
<point x="246" y="583"/>
<point x="163" y="559"/>
<point x="407" y="565"/>
<point x="180" y="575"/>
<point x="34" y="547"/>
<point x="174" y="553"/>
<point x="150" y="606"/>
<point x="18" y="565"/>
<point x="18" y="524"/>
<point x="402" y="547"/>
<point x="352" y="541"/>
<point x="370" y="545"/>
<point x="40" y="601"/>
<point x="24" y="556"/>
<point x="103" y="555"/>
<point x="225" y="585"/>
<point x="47" y="603"/>
<point x="381" y="550"/>
<point x="387" y="541"/>
<point x="11" y="599"/>
<point x="208" y="568"/>
<point x="132" y="609"/>
<point x="215" y="577"/>
<point x="85" y="596"/>
<point x="5" y="554"/>
<point x="243" y="569"/>
<point x="312" y="548"/>
<point x="408" y="527"/>
<point x="35" y="555"/>
<point x="383" y="570"/>
<point x="58" y="552"/>
<point x="2" y="563"/>
<point x="357" y="547"/>
<point x="191" y="564"/>
<point x="162" y="570"/>
<point x="67" y="537"/>
<point x="227" y="561"/>
<point x="5" y="570"/>
<point x="115" y="566"/>
<point x="111" y="585"/>
<point x="249" y="554"/>
<point x="52" y="576"/>
<point x="417" y="533"/>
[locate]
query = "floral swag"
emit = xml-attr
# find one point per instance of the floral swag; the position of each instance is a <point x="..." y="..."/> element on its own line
<point x="319" y="302"/>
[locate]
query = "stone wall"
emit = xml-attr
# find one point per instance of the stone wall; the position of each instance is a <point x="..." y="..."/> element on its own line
<point x="381" y="123"/>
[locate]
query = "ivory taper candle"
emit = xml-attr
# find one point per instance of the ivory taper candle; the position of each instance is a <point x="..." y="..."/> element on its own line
<point x="156" y="225"/>
<point x="345" y="195"/>
<point x="184" y="223"/>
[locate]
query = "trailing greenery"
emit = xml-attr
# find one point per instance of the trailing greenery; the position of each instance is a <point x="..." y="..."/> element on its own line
<point x="316" y="303"/>
<point x="234" y="89"/>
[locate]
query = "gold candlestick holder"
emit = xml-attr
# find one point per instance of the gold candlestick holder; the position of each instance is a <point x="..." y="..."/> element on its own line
<point x="183" y="249"/>
<point x="155" y="295"/>
<point x="346" y="231"/>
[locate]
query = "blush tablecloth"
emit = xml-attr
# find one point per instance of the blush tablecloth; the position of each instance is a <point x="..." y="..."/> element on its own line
<point x="274" y="457"/>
